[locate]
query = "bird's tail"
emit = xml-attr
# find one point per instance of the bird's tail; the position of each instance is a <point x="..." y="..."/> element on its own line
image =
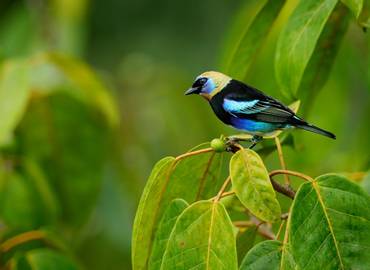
<point x="315" y="129"/>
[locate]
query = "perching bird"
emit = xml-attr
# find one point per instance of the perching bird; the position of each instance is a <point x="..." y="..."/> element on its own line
<point x="246" y="108"/>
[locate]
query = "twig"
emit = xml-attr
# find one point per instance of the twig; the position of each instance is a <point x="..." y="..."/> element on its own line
<point x="301" y="175"/>
<point x="222" y="190"/>
<point x="227" y="193"/>
<point x="197" y="152"/>
<point x="21" y="238"/>
<point x="280" y="229"/>
<point x="286" y="190"/>
<point x="281" y="158"/>
<point x="246" y="224"/>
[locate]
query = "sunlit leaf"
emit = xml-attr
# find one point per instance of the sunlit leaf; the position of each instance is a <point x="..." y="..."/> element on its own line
<point x="14" y="94"/>
<point x="164" y="230"/>
<point x="202" y="172"/>
<point x="321" y="62"/>
<point x="354" y="5"/>
<point x="145" y="218"/>
<point x="252" y="39"/>
<point x="297" y="42"/>
<point x="203" y="238"/>
<point x="252" y="185"/>
<point x="84" y="83"/>
<point x="330" y="225"/>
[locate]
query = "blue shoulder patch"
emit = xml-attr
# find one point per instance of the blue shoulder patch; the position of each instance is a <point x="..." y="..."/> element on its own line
<point x="234" y="106"/>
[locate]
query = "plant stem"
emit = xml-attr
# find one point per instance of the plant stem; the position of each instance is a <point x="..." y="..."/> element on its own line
<point x="286" y="190"/>
<point x="227" y="193"/>
<point x="20" y="239"/>
<point x="298" y="174"/>
<point x="222" y="190"/>
<point x="280" y="229"/>
<point x="193" y="153"/>
<point x="245" y="224"/>
<point x="281" y="158"/>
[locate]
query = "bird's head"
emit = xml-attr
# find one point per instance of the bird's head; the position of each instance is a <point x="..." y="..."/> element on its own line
<point x="208" y="84"/>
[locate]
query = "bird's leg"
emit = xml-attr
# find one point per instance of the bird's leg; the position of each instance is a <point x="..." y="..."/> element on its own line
<point x="255" y="139"/>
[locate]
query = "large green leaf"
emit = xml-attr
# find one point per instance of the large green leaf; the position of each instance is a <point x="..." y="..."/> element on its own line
<point x="330" y="225"/>
<point x="201" y="172"/>
<point x="253" y="38"/>
<point x="14" y="94"/>
<point x="245" y="241"/>
<point x="43" y="259"/>
<point x="68" y="140"/>
<point x="267" y="255"/>
<point x="297" y="42"/>
<point x="165" y="227"/>
<point x="354" y="5"/>
<point x="252" y="185"/>
<point x="52" y="70"/>
<point x="144" y="220"/>
<point x="322" y="59"/>
<point x="203" y="238"/>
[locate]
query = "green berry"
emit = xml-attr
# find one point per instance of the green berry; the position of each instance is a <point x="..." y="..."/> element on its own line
<point x="218" y="145"/>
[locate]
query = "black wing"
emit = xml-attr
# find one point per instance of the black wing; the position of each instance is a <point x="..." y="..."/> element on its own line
<point x="243" y="101"/>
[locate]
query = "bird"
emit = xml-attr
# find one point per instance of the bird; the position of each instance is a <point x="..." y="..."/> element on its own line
<point x="246" y="108"/>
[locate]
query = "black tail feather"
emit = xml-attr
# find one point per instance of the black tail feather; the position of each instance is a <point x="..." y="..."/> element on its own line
<point x="315" y="129"/>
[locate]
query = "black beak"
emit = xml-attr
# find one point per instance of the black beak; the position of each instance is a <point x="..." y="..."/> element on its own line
<point x="193" y="90"/>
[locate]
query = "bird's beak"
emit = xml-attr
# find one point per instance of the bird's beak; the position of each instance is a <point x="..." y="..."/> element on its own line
<point x="192" y="90"/>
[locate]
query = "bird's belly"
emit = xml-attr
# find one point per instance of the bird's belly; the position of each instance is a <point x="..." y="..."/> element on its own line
<point x="254" y="127"/>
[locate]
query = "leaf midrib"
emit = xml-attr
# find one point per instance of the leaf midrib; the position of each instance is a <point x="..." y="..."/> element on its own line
<point x="314" y="184"/>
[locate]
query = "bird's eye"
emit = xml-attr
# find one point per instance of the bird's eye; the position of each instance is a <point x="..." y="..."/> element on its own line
<point x="200" y="82"/>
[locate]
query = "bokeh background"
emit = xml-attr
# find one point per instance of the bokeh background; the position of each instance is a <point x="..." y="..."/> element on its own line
<point x="76" y="166"/>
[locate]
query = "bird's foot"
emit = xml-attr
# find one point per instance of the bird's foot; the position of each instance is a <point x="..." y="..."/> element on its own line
<point x="255" y="139"/>
<point x="232" y="142"/>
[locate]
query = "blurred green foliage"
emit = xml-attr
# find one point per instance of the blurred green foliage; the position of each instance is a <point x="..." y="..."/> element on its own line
<point x="91" y="95"/>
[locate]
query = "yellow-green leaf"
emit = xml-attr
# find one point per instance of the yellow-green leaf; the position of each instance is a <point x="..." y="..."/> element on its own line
<point x="252" y="185"/>
<point x="14" y="94"/>
<point x="354" y="5"/>
<point x="253" y="38"/>
<point x="203" y="238"/>
<point x="165" y="227"/>
<point x="297" y="42"/>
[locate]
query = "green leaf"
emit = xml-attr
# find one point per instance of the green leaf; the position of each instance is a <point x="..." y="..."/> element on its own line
<point x="203" y="238"/>
<point x="14" y="94"/>
<point x="266" y="255"/>
<point x="52" y="70"/>
<point x="354" y="5"/>
<point x="165" y="227"/>
<point x="253" y="38"/>
<point x="330" y="225"/>
<point x="245" y="241"/>
<point x="17" y="203"/>
<point x="44" y="259"/>
<point x="252" y="185"/>
<point x="322" y="59"/>
<point x="70" y="148"/>
<point x="365" y="183"/>
<point x="202" y="172"/>
<point x="297" y="42"/>
<point x="145" y="218"/>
